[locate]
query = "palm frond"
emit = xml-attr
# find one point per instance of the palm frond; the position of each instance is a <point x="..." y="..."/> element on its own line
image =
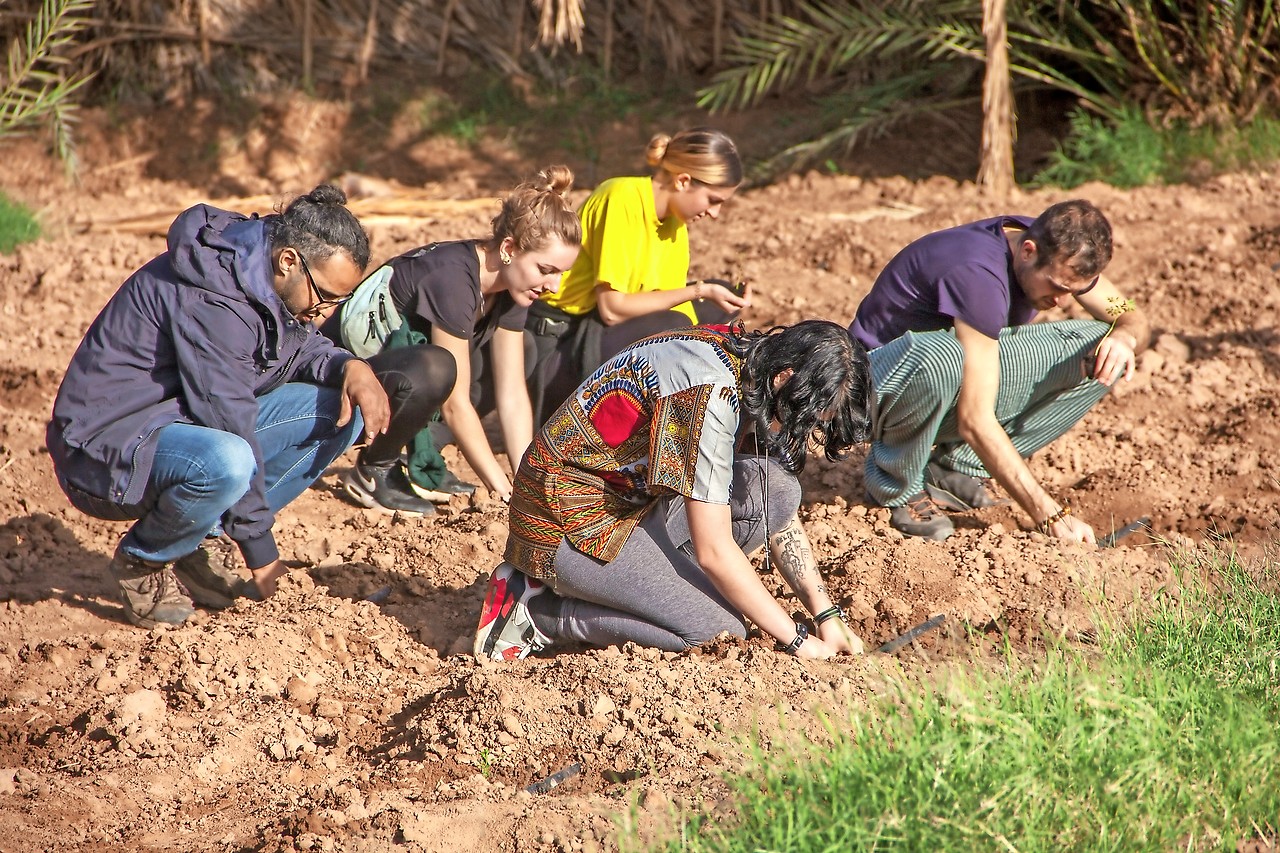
<point x="829" y="40"/>
<point x="868" y="112"/>
<point x="37" y="87"/>
<point x="560" y="21"/>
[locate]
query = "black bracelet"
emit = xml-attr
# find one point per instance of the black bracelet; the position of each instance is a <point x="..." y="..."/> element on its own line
<point x="802" y="634"/>
<point x="832" y="612"/>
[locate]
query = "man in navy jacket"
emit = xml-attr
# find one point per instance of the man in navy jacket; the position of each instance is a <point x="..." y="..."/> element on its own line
<point x="202" y="399"/>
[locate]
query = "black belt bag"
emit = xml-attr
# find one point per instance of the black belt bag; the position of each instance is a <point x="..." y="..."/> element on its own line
<point x="546" y="321"/>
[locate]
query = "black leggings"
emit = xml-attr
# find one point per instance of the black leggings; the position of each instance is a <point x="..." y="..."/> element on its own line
<point x="559" y="366"/>
<point x="614" y="339"/>
<point x="417" y="379"/>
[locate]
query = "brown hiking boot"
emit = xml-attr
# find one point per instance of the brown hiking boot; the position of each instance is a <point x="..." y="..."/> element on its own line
<point x="958" y="492"/>
<point x="151" y="594"/>
<point x="209" y="572"/>
<point x="921" y="517"/>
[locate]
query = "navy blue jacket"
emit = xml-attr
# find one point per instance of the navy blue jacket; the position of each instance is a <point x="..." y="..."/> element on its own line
<point x="195" y="336"/>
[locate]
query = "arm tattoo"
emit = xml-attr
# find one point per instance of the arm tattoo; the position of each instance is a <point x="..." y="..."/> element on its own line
<point x="793" y="555"/>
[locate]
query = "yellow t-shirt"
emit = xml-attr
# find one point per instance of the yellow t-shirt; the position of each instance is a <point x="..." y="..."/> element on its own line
<point x="625" y="245"/>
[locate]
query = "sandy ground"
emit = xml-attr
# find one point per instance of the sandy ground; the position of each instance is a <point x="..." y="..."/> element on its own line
<point x="322" y="720"/>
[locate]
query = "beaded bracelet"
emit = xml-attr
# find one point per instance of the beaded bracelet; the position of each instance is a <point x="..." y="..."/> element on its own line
<point x="1044" y="526"/>
<point x="832" y="612"/>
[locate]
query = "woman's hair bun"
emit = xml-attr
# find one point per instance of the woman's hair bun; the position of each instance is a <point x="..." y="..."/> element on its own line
<point x="657" y="149"/>
<point x="556" y="179"/>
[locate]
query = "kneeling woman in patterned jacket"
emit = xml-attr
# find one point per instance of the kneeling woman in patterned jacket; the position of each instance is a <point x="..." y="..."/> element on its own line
<point x="635" y="508"/>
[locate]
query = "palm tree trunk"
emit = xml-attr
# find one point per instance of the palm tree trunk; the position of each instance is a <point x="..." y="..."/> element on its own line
<point x="995" y="170"/>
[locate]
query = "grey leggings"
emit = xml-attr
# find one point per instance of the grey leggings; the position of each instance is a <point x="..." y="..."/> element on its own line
<point x="654" y="593"/>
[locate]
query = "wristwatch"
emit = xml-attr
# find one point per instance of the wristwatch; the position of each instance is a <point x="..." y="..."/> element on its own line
<point x="802" y="634"/>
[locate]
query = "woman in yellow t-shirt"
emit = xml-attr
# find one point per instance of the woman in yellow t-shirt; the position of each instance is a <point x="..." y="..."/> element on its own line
<point x="631" y="278"/>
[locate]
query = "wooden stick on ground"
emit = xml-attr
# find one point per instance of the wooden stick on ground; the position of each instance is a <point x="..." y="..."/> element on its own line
<point x="372" y="212"/>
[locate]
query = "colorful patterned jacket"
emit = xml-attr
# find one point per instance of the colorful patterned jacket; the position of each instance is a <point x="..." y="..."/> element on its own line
<point x="662" y="417"/>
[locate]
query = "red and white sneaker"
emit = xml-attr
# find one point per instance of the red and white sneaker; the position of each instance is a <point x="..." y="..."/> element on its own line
<point x="506" y="630"/>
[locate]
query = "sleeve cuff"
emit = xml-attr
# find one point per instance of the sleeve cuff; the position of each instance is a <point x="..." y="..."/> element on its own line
<point x="261" y="551"/>
<point x="337" y="363"/>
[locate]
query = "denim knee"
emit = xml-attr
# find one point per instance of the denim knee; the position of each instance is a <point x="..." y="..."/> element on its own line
<point x="228" y="471"/>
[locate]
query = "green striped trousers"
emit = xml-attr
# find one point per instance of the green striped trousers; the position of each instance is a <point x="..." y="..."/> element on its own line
<point x="1045" y="389"/>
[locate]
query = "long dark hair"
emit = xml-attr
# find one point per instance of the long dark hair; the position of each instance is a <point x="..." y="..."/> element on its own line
<point x="825" y="399"/>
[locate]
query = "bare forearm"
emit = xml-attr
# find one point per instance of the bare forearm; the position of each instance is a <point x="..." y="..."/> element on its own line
<point x="516" y="417"/>
<point x="1001" y="459"/>
<point x="465" y="425"/>
<point x="793" y="555"/>
<point x="732" y="574"/>
<point x="616" y="307"/>
<point x="1136" y="325"/>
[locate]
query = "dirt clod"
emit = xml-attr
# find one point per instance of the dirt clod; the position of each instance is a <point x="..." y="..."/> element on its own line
<point x="333" y="717"/>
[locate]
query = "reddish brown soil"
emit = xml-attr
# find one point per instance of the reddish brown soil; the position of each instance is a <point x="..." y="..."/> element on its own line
<point x="319" y="720"/>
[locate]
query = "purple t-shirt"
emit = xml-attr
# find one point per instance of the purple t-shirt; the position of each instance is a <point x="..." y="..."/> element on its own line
<point x="964" y="272"/>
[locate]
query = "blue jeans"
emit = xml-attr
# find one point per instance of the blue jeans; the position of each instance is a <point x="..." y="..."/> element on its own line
<point x="199" y="473"/>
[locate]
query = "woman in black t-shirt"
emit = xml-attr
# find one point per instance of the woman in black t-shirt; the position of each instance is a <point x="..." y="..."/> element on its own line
<point x="455" y="298"/>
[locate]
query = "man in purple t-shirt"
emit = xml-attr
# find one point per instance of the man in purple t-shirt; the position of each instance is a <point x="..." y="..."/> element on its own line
<point x="967" y="386"/>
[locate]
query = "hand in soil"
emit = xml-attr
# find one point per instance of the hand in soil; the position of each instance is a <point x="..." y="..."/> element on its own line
<point x="815" y="648"/>
<point x="1072" y="529"/>
<point x="265" y="579"/>
<point x="839" y="636"/>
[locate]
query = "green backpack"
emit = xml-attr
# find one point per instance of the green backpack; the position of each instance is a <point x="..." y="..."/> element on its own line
<point x="369" y="316"/>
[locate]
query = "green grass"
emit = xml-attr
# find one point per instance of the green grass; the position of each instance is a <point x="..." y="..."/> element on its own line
<point x="17" y="224"/>
<point x="1165" y="738"/>
<point x="1225" y="628"/>
<point x="1132" y="152"/>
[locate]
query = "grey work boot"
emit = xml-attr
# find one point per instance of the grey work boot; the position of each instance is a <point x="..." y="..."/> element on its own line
<point x="209" y="573"/>
<point x="959" y="492"/>
<point x="151" y="594"/>
<point x="921" y="517"/>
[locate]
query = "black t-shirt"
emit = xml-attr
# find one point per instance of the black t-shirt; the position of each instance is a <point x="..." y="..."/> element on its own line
<point x="439" y="285"/>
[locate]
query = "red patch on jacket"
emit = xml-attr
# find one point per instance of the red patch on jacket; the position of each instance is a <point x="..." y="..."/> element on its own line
<point x="616" y="417"/>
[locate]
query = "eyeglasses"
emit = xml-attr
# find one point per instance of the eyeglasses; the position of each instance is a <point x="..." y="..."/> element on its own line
<point x="324" y="301"/>
<point x="1072" y="290"/>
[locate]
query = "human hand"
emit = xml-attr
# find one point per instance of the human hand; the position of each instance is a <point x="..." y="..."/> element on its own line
<point x="840" y="637"/>
<point x="265" y="580"/>
<point x="361" y="389"/>
<point x="722" y="296"/>
<point x="815" y="648"/>
<point x="1072" y="529"/>
<point x="1114" y="358"/>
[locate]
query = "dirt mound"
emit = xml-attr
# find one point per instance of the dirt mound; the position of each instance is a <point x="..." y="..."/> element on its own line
<point x="345" y="713"/>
